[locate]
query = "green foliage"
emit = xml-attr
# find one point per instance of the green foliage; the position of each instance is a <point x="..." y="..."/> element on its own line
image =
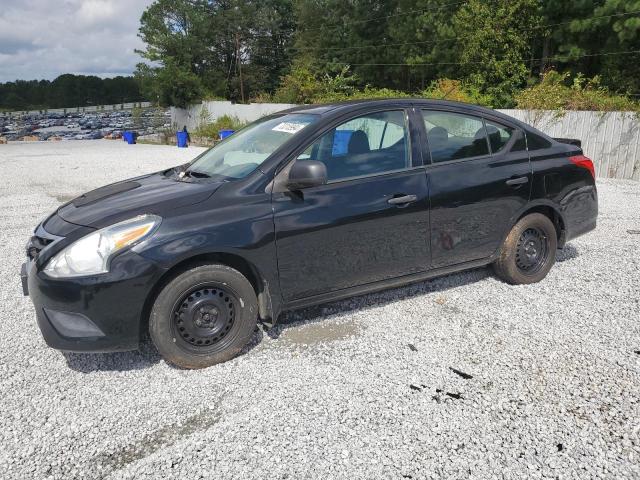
<point x="170" y="85"/>
<point x="425" y="38"/>
<point x="496" y="45"/>
<point x="333" y="34"/>
<point x="301" y="85"/>
<point x="212" y="129"/>
<point x="493" y="47"/>
<point x="68" y="91"/>
<point x="367" y="93"/>
<point x="557" y="92"/>
<point x="455" y="90"/>
<point x="207" y="44"/>
<point x="595" y="27"/>
<point x="303" y="51"/>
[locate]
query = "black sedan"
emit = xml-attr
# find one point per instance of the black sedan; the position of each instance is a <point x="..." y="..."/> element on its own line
<point x="306" y="206"/>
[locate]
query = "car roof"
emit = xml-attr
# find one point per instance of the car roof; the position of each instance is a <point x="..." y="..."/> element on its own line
<point x="338" y="107"/>
<point x="332" y="107"/>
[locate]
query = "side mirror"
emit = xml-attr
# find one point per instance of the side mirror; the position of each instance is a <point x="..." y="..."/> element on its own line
<point x="306" y="173"/>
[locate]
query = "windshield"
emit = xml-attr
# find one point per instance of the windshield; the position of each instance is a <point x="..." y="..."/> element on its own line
<point x="241" y="153"/>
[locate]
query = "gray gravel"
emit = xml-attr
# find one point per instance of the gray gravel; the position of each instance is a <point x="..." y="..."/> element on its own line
<point x="357" y="389"/>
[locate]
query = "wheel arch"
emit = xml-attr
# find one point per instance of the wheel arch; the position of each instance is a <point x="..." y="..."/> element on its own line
<point x="248" y="269"/>
<point x="545" y="207"/>
<point x="552" y="213"/>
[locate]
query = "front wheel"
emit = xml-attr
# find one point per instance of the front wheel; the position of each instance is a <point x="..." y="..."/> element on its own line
<point x="529" y="251"/>
<point x="203" y="316"/>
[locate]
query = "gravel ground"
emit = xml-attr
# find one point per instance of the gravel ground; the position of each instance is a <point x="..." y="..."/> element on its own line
<point x="547" y="382"/>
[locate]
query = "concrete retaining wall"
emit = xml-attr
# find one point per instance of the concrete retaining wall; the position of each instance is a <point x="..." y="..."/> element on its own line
<point x="207" y="112"/>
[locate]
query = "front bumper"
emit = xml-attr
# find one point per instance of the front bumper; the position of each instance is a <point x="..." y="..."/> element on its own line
<point x="99" y="313"/>
<point x="24" y="277"/>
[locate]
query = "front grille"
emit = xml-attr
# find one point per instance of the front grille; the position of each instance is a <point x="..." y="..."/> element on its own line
<point x="35" y="246"/>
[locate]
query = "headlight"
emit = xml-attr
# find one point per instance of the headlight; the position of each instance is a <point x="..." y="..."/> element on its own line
<point x="90" y="255"/>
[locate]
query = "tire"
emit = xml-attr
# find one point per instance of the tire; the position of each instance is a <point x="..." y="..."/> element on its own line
<point x="203" y="316"/>
<point x="529" y="251"/>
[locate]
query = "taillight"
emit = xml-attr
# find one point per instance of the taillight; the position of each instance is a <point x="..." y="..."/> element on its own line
<point x="584" y="162"/>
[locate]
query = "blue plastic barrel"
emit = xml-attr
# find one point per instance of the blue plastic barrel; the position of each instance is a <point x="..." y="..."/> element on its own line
<point x="181" y="138"/>
<point x="225" y="133"/>
<point x="129" y="137"/>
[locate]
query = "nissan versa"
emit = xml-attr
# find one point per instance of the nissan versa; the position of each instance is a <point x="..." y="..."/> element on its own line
<point x="302" y="207"/>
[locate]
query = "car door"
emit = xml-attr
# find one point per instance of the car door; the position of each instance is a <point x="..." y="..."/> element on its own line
<point x="370" y="222"/>
<point x="479" y="178"/>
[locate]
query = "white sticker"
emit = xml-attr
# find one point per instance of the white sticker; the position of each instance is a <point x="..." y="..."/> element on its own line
<point x="289" y="127"/>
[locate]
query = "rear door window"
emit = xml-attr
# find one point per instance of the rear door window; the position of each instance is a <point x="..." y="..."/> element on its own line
<point x="499" y="136"/>
<point x="454" y="136"/>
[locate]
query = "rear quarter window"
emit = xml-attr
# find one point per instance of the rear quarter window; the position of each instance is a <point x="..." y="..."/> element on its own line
<point x="536" y="142"/>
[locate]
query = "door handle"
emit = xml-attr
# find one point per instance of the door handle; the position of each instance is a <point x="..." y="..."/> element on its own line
<point x="517" y="181"/>
<point x="402" y="200"/>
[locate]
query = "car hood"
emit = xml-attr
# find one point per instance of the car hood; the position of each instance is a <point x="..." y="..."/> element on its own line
<point x="156" y="193"/>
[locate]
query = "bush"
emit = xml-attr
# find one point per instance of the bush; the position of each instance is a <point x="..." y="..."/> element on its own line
<point x="302" y="86"/>
<point x="368" y="93"/>
<point x="262" y="97"/>
<point x="212" y="129"/>
<point x="455" y="90"/>
<point x="557" y="92"/>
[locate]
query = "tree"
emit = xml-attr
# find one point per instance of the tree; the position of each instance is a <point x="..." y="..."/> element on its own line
<point x="593" y="34"/>
<point x="425" y="37"/>
<point x="68" y="91"/>
<point x="349" y="35"/>
<point x="243" y="49"/>
<point x="408" y="44"/>
<point x="494" y="49"/>
<point x="229" y="48"/>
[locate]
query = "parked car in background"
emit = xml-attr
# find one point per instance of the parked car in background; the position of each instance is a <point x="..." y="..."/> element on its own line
<point x="306" y="206"/>
<point x="80" y="126"/>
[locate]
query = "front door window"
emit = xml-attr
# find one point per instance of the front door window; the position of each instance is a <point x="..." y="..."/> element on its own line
<point x="367" y="145"/>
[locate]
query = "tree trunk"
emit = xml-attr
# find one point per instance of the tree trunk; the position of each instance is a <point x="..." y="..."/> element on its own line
<point x="546" y="45"/>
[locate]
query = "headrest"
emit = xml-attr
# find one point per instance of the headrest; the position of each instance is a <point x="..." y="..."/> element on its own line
<point x="359" y="142"/>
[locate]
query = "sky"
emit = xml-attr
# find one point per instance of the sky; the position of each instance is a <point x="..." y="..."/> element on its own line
<point x="41" y="39"/>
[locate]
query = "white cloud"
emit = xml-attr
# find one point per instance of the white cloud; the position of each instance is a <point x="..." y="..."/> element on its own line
<point x="43" y="38"/>
<point x="96" y="12"/>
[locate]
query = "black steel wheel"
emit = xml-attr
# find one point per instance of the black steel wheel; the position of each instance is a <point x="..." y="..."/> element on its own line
<point x="532" y="250"/>
<point x="529" y="251"/>
<point x="203" y="316"/>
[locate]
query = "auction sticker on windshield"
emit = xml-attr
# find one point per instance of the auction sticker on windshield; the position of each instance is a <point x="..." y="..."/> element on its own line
<point x="289" y="127"/>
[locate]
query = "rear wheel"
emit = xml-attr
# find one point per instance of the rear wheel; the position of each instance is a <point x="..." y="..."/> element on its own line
<point x="203" y="316"/>
<point x="529" y="251"/>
